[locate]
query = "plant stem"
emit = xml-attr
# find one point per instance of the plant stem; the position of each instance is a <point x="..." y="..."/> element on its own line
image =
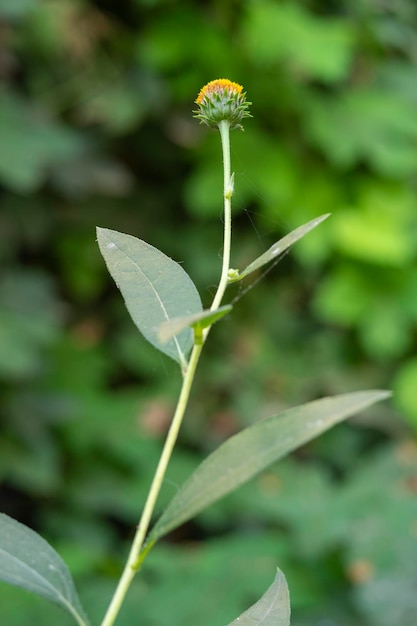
<point x="224" y="128"/>
<point x="134" y="560"/>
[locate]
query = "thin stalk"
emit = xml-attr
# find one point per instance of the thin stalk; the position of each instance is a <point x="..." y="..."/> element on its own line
<point x="133" y="561"/>
<point x="135" y="557"/>
<point x="224" y="128"/>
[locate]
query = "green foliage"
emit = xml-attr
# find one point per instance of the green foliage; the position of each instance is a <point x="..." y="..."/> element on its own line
<point x="34" y="143"/>
<point x="405" y="389"/>
<point x="24" y="336"/>
<point x="241" y="457"/>
<point x="273" y="609"/>
<point x="155" y="288"/>
<point x="291" y="35"/>
<point x="198" y="321"/>
<point x="280" y="247"/>
<point x="96" y="128"/>
<point x="28" y="561"/>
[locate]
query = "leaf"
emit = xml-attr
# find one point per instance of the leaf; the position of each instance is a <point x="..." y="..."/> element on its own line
<point x="273" y="609"/>
<point x="28" y="561"/>
<point x="281" y="246"/>
<point x="198" y="321"/>
<point x="155" y="288"/>
<point x="246" y="454"/>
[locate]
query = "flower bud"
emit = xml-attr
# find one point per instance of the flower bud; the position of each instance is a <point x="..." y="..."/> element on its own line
<point x="221" y="100"/>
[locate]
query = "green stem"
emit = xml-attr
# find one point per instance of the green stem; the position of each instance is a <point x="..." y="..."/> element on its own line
<point x="133" y="562"/>
<point x="136" y="556"/>
<point x="224" y="128"/>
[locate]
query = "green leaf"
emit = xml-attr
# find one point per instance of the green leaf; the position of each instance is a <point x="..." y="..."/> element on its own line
<point x="246" y="454"/>
<point x="281" y="246"/>
<point x="28" y="561"/>
<point x="198" y="321"/>
<point x="155" y="288"/>
<point x="273" y="609"/>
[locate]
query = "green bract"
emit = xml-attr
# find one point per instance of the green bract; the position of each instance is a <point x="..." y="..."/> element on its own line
<point x="222" y="100"/>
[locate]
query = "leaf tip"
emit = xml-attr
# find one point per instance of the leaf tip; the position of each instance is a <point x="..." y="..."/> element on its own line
<point x="100" y="232"/>
<point x="323" y="217"/>
<point x="383" y="394"/>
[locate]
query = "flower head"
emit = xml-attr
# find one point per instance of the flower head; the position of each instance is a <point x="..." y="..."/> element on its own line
<point x="221" y="100"/>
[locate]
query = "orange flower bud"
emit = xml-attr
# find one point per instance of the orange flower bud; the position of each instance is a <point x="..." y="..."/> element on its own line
<point x="221" y="100"/>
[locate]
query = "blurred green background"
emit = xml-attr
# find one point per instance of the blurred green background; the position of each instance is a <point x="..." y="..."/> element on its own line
<point x="96" y="128"/>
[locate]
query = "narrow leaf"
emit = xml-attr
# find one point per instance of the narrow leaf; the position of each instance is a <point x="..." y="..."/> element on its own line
<point x="281" y="246"/>
<point x="169" y="329"/>
<point x="155" y="288"/>
<point x="28" y="561"/>
<point x="250" y="451"/>
<point x="273" y="609"/>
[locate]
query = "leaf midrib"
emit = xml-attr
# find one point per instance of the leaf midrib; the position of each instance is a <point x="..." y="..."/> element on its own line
<point x="180" y="352"/>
